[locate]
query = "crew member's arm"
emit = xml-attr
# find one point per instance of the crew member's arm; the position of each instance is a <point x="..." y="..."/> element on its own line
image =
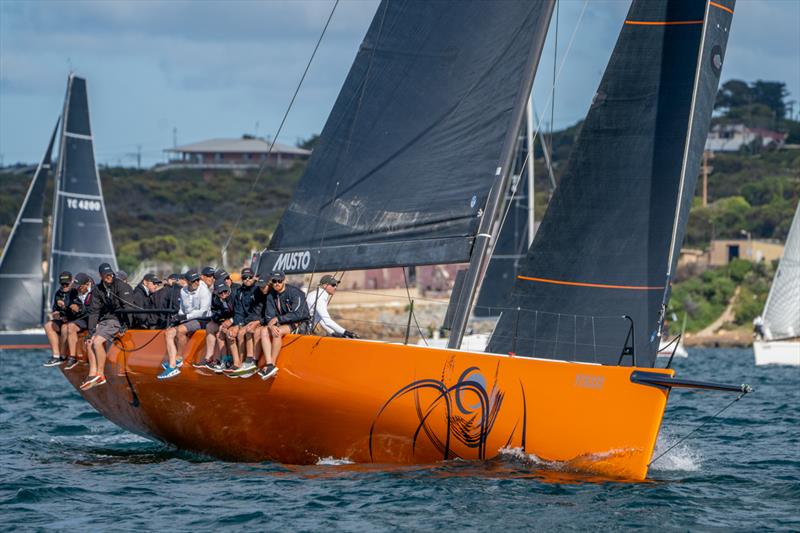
<point x="203" y="308"/>
<point x="325" y="320"/>
<point x="95" y="307"/>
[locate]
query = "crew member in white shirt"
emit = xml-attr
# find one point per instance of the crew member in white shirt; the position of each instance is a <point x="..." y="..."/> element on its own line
<point x="194" y="313"/>
<point x="317" y="302"/>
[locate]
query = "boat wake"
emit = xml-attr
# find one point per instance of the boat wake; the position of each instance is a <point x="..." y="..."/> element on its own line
<point x="682" y="458"/>
<point x="333" y="461"/>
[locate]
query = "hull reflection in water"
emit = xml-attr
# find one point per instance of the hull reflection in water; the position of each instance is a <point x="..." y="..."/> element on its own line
<point x="372" y="402"/>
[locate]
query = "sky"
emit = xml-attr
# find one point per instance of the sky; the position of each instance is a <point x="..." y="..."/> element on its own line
<point x="165" y="71"/>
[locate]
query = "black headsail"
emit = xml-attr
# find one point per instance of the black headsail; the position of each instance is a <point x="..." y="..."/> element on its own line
<point x="609" y="241"/>
<point x="21" y="274"/>
<point x="413" y="145"/>
<point x="81" y="236"/>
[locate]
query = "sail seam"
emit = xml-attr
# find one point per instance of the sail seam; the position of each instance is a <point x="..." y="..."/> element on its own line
<point x="79" y="195"/>
<point x="77" y="136"/>
<point x="595" y="285"/>
<point x="720" y="6"/>
<point x="80" y="254"/>
<point x="31" y="220"/>
<point x="662" y="23"/>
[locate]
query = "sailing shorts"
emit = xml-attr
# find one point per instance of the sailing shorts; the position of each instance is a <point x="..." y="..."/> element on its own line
<point x="81" y="323"/>
<point x="195" y="325"/>
<point x="107" y="328"/>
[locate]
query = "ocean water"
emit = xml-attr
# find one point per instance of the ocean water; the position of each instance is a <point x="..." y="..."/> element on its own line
<point x="63" y="466"/>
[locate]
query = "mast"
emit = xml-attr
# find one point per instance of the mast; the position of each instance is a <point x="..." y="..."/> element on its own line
<point x="491" y="218"/>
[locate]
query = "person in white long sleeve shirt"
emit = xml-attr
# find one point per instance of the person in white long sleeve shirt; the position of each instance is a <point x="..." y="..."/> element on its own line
<point x="195" y="310"/>
<point x="317" y="302"/>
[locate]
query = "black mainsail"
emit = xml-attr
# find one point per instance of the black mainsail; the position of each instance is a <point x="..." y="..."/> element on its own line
<point x="416" y="139"/>
<point x="609" y="241"/>
<point x="81" y="235"/>
<point x="21" y="274"/>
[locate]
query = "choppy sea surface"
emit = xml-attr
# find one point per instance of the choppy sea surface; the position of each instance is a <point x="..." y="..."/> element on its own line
<point x="63" y="466"/>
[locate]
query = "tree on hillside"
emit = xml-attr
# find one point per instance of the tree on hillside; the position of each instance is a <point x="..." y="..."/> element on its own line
<point x="758" y="100"/>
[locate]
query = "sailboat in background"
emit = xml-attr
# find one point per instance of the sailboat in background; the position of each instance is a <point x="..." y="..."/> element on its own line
<point x="412" y="168"/>
<point x="780" y="344"/>
<point x="80" y="235"/>
<point x="21" y="272"/>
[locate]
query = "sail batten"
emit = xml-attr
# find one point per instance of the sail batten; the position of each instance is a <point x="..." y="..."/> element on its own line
<point x="609" y="240"/>
<point x="410" y="152"/>
<point x="81" y="235"/>
<point x="21" y="275"/>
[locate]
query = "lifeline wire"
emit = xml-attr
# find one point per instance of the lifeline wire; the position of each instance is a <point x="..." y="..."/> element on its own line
<point x="280" y="127"/>
<point x="715" y="415"/>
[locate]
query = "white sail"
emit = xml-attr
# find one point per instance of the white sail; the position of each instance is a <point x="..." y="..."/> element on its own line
<point x="782" y="310"/>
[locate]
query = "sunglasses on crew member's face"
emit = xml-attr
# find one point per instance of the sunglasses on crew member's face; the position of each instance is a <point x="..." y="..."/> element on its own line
<point x="276" y="281"/>
<point x="245" y="278"/>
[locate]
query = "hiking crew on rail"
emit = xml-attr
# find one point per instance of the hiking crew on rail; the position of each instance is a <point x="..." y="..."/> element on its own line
<point x="244" y="323"/>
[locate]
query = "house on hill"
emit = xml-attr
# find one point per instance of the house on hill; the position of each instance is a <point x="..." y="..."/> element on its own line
<point x="248" y="152"/>
<point x="733" y="137"/>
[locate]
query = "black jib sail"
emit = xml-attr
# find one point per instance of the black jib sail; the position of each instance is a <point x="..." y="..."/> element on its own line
<point x="413" y="145"/>
<point x="21" y="274"/>
<point x="81" y="236"/>
<point x="609" y="240"/>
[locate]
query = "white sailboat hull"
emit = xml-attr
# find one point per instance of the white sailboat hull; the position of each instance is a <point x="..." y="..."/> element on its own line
<point x="665" y="350"/>
<point x="777" y="352"/>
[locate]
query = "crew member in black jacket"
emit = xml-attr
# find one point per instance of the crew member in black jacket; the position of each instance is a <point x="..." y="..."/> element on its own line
<point x="217" y="327"/>
<point x="143" y="296"/>
<point x="285" y="311"/>
<point x="77" y="314"/>
<point x="110" y="296"/>
<point x="52" y="327"/>
<point x="243" y="313"/>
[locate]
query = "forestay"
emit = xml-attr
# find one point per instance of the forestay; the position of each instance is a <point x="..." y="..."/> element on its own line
<point x="81" y="236"/>
<point x="21" y="274"/>
<point x="782" y="310"/>
<point x="610" y="238"/>
<point x="412" y="147"/>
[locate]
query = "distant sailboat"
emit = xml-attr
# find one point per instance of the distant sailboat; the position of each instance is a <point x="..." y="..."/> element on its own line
<point x="781" y="342"/>
<point x="80" y="235"/>
<point x="21" y="274"/>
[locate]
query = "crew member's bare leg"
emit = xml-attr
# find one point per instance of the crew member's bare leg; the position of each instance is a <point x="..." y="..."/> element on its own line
<point x="99" y="345"/>
<point x="211" y="339"/>
<point x="52" y="329"/>
<point x="169" y="339"/>
<point x="277" y="341"/>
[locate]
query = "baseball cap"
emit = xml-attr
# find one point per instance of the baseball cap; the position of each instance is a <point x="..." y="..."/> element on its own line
<point x="328" y="280"/>
<point x="152" y="278"/>
<point x="82" y="277"/>
<point x="220" y="287"/>
<point x="247" y="273"/>
<point x="121" y="274"/>
<point x="105" y="269"/>
<point x="261" y="283"/>
<point x="192" y="276"/>
<point x="65" y="277"/>
<point x="278" y="275"/>
<point x="221" y="274"/>
<point x="208" y="271"/>
<point x="174" y="276"/>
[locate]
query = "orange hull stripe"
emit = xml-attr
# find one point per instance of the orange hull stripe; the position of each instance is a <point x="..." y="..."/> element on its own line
<point x="597" y="285"/>
<point x="729" y="10"/>
<point x="663" y="23"/>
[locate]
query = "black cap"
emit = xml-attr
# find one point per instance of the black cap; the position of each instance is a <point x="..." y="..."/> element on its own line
<point x="174" y="276"/>
<point x="221" y="274"/>
<point x="65" y="277"/>
<point x="221" y="286"/>
<point x="152" y="278"/>
<point x="328" y="280"/>
<point x="121" y="274"/>
<point x="247" y="273"/>
<point x="192" y="276"/>
<point x="105" y="269"/>
<point x="277" y="275"/>
<point x="82" y="277"/>
<point x="208" y="271"/>
<point x="261" y="283"/>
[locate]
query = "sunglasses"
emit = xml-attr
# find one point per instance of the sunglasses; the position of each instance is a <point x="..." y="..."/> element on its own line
<point x="245" y="278"/>
<point x="276" y="281"/>
<point x="66" y="284"/>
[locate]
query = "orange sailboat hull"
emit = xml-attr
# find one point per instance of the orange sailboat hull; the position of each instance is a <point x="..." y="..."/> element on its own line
<point x="370" y="401"/>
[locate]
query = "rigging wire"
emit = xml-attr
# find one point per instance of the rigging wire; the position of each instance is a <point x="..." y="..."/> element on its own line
<point x="280" y="127"/>
<point x="699" y="427"/>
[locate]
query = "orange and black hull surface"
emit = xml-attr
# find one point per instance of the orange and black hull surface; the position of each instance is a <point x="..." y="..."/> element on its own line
<point x="368" y="401"/>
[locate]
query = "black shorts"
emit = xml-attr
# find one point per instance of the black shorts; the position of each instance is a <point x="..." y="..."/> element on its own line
<point x="81" y="323"/>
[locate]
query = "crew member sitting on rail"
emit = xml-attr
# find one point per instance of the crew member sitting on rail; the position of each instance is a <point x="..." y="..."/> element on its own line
<point x="217" y="328"/>
<point x="194" y="313"/>
<point x="285" y="311"/>
<point x="250" y="332"/>
<point x="110" y="296"/>
<point x="242" y="310"/>
<point x="77" y="313"/>
<point x="57" y="319"/>
<point x="222" y="275"/>
<point x="207" y="275"/>
<point x="143" y="299"/>
<point x="317" y="302"/>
